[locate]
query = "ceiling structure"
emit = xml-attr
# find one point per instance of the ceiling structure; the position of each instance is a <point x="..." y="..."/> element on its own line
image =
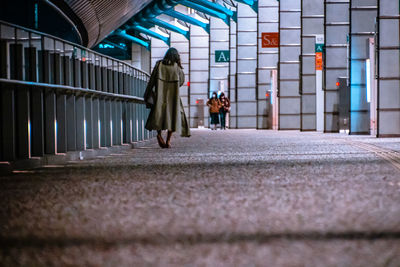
<point x="141" y="23"/>
<point x="133" y="20"/>
<point x="95" y="19"/>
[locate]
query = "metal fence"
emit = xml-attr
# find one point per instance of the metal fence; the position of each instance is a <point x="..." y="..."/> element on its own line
<point x="56" y="97"/>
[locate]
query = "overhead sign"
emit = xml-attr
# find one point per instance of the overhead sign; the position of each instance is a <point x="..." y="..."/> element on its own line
<point x="319" y="49"/>
<point x="319" y="93"/>
<point x="222" y="56"/>
<point x="269" y="39"/>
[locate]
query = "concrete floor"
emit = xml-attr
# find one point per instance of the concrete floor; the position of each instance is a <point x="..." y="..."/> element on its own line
<point x="219" y="198"/>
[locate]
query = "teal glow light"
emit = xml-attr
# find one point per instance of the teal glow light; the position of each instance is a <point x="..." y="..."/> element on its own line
<point x="36" y="16"/>
<point x="105" y="46"/>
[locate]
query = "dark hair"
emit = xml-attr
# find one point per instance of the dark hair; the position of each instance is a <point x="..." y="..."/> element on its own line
<point x="212" y="95"/>
<point x="171" y="57"/>
<point x="221" y="95"/>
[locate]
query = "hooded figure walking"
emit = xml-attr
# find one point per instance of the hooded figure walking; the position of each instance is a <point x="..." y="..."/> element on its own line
<point x="162" y="96"/>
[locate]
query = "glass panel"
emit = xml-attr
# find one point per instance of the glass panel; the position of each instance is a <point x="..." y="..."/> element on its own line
<point x="59" y="47"/>
<point x="90" y="57"/>
<point x="97" y="60"/>
<point x="23" y="37"/>
<point x="36" y="41"/>
<point x="77" y="53"/>
<point x="68" y="50"/>
<point x="7" y="33"/>
<point x="48" y="44"/>
<point x="104" y="62"/>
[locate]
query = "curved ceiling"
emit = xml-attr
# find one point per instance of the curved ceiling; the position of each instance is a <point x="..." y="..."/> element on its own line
<point x="100" y="17"/>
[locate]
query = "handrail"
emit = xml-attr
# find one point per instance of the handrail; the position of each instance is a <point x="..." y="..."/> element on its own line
<point x="72" y="44"/>
<point x="64" y="97"/>
<point x="76" y="89"/>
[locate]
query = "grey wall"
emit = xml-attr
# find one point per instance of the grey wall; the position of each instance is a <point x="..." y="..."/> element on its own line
<point x="232" y="75"/>
<point x="312" y="22"/>
<point x="336" y="62"/>
<point x="219" y="40"/>
<point x="140" y="58"/>
<point x="246" y="64"/>
<point x="199" y="72"/>
<point x="182" y="44"/>
<point x="388" y="69"/>
<point x="267" y="58"/>
<point x="289" y="65"/>
<point x="362" y="27"/>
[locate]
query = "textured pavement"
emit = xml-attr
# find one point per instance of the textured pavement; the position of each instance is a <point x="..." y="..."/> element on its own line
<point x="219" y="198"/>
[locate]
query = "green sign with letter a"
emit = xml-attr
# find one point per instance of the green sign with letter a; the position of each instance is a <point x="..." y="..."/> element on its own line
<point x="319" y="48"/>
<point x="222" y="55"/>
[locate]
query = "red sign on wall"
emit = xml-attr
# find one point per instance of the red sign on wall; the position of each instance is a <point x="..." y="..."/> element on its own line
<point x="269" y="39"/>
<point x="318" y="61"/>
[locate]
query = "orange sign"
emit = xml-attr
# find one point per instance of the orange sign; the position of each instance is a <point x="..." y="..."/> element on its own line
<point x="269" y="39"/>
<point x="318" y="61"/>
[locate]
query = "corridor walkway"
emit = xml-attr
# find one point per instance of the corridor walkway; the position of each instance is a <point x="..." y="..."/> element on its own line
<point x="219" y="198"/>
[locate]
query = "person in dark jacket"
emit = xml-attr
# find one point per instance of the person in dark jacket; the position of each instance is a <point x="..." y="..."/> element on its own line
<point x="162" y="95"/>
<point x="225" y="108"/>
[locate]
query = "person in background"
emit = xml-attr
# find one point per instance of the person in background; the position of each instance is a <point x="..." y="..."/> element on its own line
<point x="214" y="105"/>
<point x="225" y="108"/>
<point x="162" y="96"/>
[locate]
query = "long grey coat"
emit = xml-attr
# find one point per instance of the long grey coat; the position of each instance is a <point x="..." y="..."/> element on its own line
<point x="167" y="112"/>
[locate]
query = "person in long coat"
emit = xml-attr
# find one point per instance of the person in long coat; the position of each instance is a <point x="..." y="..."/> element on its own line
<point x="162" y="95"/>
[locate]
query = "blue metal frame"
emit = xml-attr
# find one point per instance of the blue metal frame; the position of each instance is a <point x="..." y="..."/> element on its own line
<point x="206" y="10"/>
<point x="147" y="18"/>
<point x="188" y="19"/>
<point x="131" y="38"/>
<point x="151" y="33"/>
<point x="216" y="7"/>
<point x="170" y="27"/>
<point x="252" y="3"/>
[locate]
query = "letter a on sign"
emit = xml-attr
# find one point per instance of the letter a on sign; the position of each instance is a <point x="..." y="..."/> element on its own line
<point x="222" y="56"/>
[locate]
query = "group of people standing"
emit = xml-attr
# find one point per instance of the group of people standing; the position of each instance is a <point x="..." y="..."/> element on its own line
<point x="218" y="109"/>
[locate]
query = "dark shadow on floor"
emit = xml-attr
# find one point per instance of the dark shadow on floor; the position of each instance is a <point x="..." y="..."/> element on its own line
<point x="195" y="239"/>
<point x="122" y="168"/>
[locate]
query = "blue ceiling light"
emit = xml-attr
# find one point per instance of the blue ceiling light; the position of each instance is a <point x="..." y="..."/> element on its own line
<point x="206" y="10"/>
<point x="151" y="33"/>
<point x="131" y="38"/>
<point x="121" y="46"/>
<point x="188" y="19"/>
<point x="104" y="46"/>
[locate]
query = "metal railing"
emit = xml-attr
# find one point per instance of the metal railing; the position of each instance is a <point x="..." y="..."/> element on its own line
<point x="57" y="96"/>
